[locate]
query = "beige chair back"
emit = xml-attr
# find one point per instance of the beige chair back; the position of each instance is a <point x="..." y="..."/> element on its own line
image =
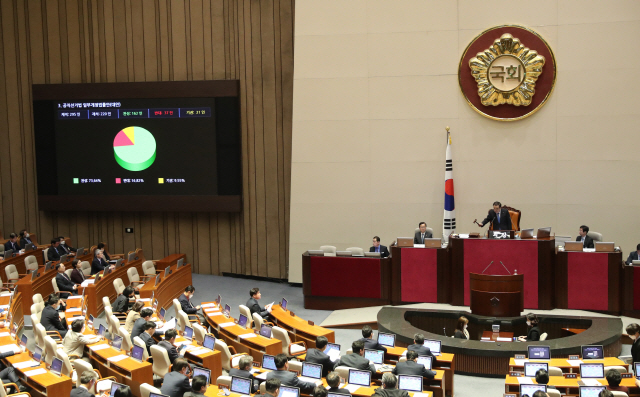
<point x="176" y="307"/>
<point x="553" y="393"/>
<point x="45" y="252"/>
<point x="595" y="235"/>
<point x="133" y="275"/>
<point x="68" y="272"/>
<point x="38" y="298"/>
<point x="106" y="302"/>
<point x="544" y="336"/>
<point x="30" y="263"/>
<point x="81" y="367"/>
<point x="114" y="325"/>
<point x="198" y="332"/>
<point x="245" y="310"/>
<point x="161" y="363"/>
<point x="263" y="388"/>
<point x="224" y="353"/>
<point x="118" y="285"/>
<point x="12" y="273"/>
<point x="257" y="321"/>
<point x="3" y="391"/>
<point x="139" y="342"/>
<point x="182" y="319"/>
<point x="85" y="266"/>
<point x="224" y="381"/>
<point x="619" y="394"/>
<point x="295" y="365"/>
<point x="67" y="367"/>
<point x="357" y="251"/>
<point x="50" y="347"/>
<point x="126" y="339"/>
<point x="555" y="371"/>
<point x="342" y="371"/>
<point x="328" y="249"/>
<point x="618" y="368"/>
<point x="148" y="269"/>
<point x="35" y="318"/>
<point x="55" y="285"/>
<point x="282" y="335"/>
<point x="146" y="389"/>
<point x="429" y="230"/>
<point x="40" y="332"/>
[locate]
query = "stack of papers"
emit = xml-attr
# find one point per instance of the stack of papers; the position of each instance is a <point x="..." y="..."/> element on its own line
<point x="208" y="305"/>
<point x="73" y="310"/>
<point x="334" y="355"/>
<point x="352" y="388"/>
<point x="35" y="372"/>
<point x="99" y="347"/>
<point x="202" y="350"/>
<point x="117" y="358"/>
<point x="87" y="282"/>
<point x="520" y="362"/>
<point x="74" y="297"/>
<point x="591" y="382"/>
<point x="182" y="342"/>
<point x="143" y="300"/>
<point x="225" y="325"/>
<point x="167" y="326"/>
<point x="5" y="334"/>
<point x="247" y="336"/>
<point x="525" y="380"/>
<point x="504" y="339"/>
<point x="574" y="363"/>
<point x="26" y="364"/>
<point x="10" y="348"/>
<point x="262" y="376"/>
<point x="4" y="307"/>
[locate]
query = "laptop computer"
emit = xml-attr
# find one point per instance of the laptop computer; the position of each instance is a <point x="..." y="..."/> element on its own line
<point x="605" y="246"/>
<point x="344" y="253"/>
<point x="593" y="370"/>
<point x="209" y="342"/>
<point x="106" y="271"/>
<point x="101" y="330"/>
<point x="203" y="371"/>
<point x="283" y="304"/>
<point x="167" y="271"/>
<point x="268" y="362"/>
<point x="56" y="366"/>
<point x="315" y="252"/>
<point x="131" y="257"/>
<point x="404" y="242"/>
<point x="372" y="254"/>
<point x="592" y="352"/>
<point x="37" y="353"/>
<point x="161" y="314"/>
<point x="410" y="383"/>
<point x="427" y="361"/>
<point x="530" y="389"/>
<point x="539" y="352"/>
<point x="158" y="279"/>
<point x="8" y="254"/>
<point x="80" y="251"/>
<point x="530" y="368"/>
<point x="591" y="391"/>
<point x="434" y="345"/>
<point x="137" y="353"/>
<point x="544" y="232"/>
<point x="188" y="332"/>
<point x="219" y="300"/>
<point x="47" y="266"/>
<point x="265" y="331"/>
<point x="311" y="372"/>
<point x="375" y="356"/>
<point x="526" y="233"/>
<point x="239" y="385"/>
<point x="290" y="391"/>
<point x="114" y="387"/>
<point x="242" y="321"/>
<point x="387" y="339"/>
<point x="227" y="310"/>
<point x="180" y="263"/>
<point x="34" y="275"/>
<point x="182" y="350"/>
<point x="358" y="377"/>
<point x="432" y="243"/>
<point x="23" y="342"/>
<point x="116" y="343"/>
<point x="63" y="258"/>
<point x="573" y="245"/>
<point x="119" y="263"/>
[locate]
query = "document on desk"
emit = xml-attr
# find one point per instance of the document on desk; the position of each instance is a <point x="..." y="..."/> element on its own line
<point x="87" y="282"/>
<point x="523" y="380"/>
<point x="352" y="388"/>
<point x="575" y="363"/>
<point x="202" y="350"/>
<point x="208" y="305"/>
<point x="504" y="339"/>
<point x="590" y="382"/>
<point x="26" y="364"/>
<point x="4" y="307"/>
<point x="5" y="293"/>
<point x="95" y="348"/>
<point x="10" y="348"/>
<point x="143" y="300"/>
<point x="520" y="362"/>
<point x="182" y="342"/>
<point x="117" y="358"/>
<point x="247" y="336"/>
<point x="262" y="376"/>
<point x="5" y="334"/>
<point x="35" y="372"/>
<point x="73" y="310"/>
<point x="225" y="325"/>
<point x="334" y="355"/>
<point x="74" y="297"/>
<point x="167" y="326"/>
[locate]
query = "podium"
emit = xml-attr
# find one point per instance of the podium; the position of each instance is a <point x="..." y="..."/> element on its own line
<point x="496" y="296"/>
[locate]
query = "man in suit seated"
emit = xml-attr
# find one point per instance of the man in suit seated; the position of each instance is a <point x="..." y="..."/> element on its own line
<point x="333" y="380"/>
<point x="388" y="389"/>
<point x="176" y="382"/>
<point x="419" y="347"/>
<point x="411" y="367"/>
<point x="53" y="254"/>
<point x="421" y="234"/>
<point x="12" y="244"/>
<point x="198" y="387"/>
<point x="138" y="326"/>
<point x="384" y="252"/>
<point x="50" y="318"/>
<point x="68" y="250"/>
<point x="356" y="360"/>
<point x="187" y="306"/>
<point x="499" y="217"/>
<point x="168" y="344"/>
<point x="254" y="306"/>
<point x="634" y="255"/>
<point x="587" y="242"/>
<point x="99" y="263"/>
<point x="88" y="379"/>
<point x="243" y="371"/>
<point x="121" y="304"/>
<point x="147" y="335"/>
<point x="317" y="355"/>
<point x="65" y="285"/>
<point x="24" y="239"/>
<point x="289" y="378"/>
<point x="272" y="387"/>
<point x="369" y="342"/>
<point x="75" y="340"/>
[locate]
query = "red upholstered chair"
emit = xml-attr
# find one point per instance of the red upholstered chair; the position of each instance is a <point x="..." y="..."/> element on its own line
<point x="515" y="214"/>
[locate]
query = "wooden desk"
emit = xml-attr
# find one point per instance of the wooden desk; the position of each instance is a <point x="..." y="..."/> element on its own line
<point x="16" y="311"/>
<point x="568" y="368"/>
<point x="18" y="261"/>
<point x="364" y="391"/>
<point x="444" y="362"/>
<point x="298" y="328"/>
<point x="570" y="386"/>
<point x="211" y="360"/>
<point x="127" y="371"/>
<point x="408" y="267"/>
<point x="490" y="335"/>
<point x="256" y="346"/>
<point x="170" y="287"/>
<point x="169" y="261"/>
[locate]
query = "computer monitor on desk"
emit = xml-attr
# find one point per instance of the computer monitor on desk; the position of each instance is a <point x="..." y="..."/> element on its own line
<point x="404" y="242"/>
<point x="543" y="232"/>
<point x="372" y="255"/>
<point x="432" y="243"/>
<point x="344" y="253"/>
<point x="539" y="352"/>
<point x="592" y="352"/>
<point x="131" y="257"/>
<point x="526" y="234"/>
<point x="605" y="246"/>
<point x="315" y="252"/>
<point x="573" y="246"/>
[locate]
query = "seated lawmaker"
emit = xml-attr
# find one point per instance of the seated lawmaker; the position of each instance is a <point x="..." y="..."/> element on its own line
<point x="121" y="304"/>
<point x="50" y="319"/>
<point x="99" y="264"/>
<point x="289" y="378"/>
<point x="24" y="239"/>
<point x="168" y="344"/>
<point x="613" y="379"/>
<point x="138" y="326"/>
<point x="75" y="340"/>
<point x="68" y="250"/>
<point x="388" y="389"/>
<point x="88" y="380"/>
<point x="633" y="330"/>
<point x="272" y="387"/>
<point x="77" y="276"/>
<point x="356" y="359"/>
<point x="65" y="285"/>
<point x="421" y="234"/>
<point x="411" y="367"/>
<point x="369" y="342"/>
<point x="133" y="315"/>
<point x="53" y="254"/>
<point x="587" y="242"/>
<point x="534" y="332"/>
<point x="419" y="347"/>
<point x="12" y="244"/>
<point x="333" y="380"/>
<point x="384" y="252"/>
<point x="199" y="386"/>
<point x="461" y="328"/>
<point x="149" y="329"/>
<point x="634" y="255"/>
<point x="176" y="382"/>
<point x="244" y="371"/>
<point x="187" y="306"/>
<point x="499" y="217"/>
<point x="254" y="306"/>
<point x="317" y="355"/>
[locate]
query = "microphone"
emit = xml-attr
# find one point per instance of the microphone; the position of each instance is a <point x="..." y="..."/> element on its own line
<point x="485" y="269"/>
<point x="445" y="330"/>
<point x="505" y="268"/>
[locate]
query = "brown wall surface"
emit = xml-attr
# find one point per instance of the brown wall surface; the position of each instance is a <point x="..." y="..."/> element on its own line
<point x="88" y="41"/>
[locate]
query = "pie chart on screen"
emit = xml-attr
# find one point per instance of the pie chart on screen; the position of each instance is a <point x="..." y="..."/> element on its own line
<point x="134" y="148"/>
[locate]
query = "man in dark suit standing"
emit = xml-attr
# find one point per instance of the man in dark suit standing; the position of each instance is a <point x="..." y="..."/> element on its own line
<point x="50" y="319"/>
<point x="421" y="234"/>
<point x="65" y="285"/>
<point x="24" y="239"/>
<point x="12" y="244"/>
<point x="254" y="306"/>
<point x="88" y="379"/>
<point x="634" y="255"/>
<point x="187" y="306"/>
<point x="289" y="378"/>
<point x="243" y="371"/>
<point x="356" y="360"/>
<point x="419" y="347"/>
<point x="587" y="242"/>
<point x="384" y="252"/>
<point x="499" y="217"/>
<point x="176" y="382"/>
<point x="317" y="355"/>
<point x="369" y="342"/>
<point x="411" y="367"/>
<point x="53" y="254"/>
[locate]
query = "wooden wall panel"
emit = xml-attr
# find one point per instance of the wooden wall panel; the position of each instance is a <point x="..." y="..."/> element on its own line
<point x="82" y="41"/>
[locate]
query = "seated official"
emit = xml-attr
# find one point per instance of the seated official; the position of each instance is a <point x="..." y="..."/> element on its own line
<point x="254" y="306"/>
<point x="176" y="382"/>
<point x="88" y="380"/>
<point x="542" y="378"/>
<point x="534" y="332"/>
<point x="356" y="359"/>
<point x="411" y="367"/>
<point x="540" y="393"/>
<point x="289" y="378"/>
<point x="272" y="387"/>
<point x="75" y="341"/>
<point x="138" y="325"/>
<point x="587" y="242"/>
<point x="369" y="342"/>
<point x="123" y="391"/>
<point x="333" y="380"/>
<point x="121" y="304"/>
<point x="388" y="389"/>
<point x="461" y="328"/>
<point x="69" y="250"/>
<point x="614" y="378"/>
<point x="421" y="234"/>
<point x="320" y="391"/>
<point x="77" y="276"/>
<point x="101" y="247"/>
<point x="384" y="252"/>
<point x="187" y="306"/>
<point x="317" y="355"/>
<point x="199" y="386"/>
<point x="419" y="347"/>
<point x="147" y="335"/>
<point x="244" y="367"/>
<point x="499" y="217"/>
<point x="634" y="255"/>
<point x="99" y="263"/>
<point x="633" y="330"/>
<point x="12" y="244"/>
<point x="168" y="344"/>
<point x="50" y="319"/>
<point x="133" y="315"/>
<point x="53" y="254"/>
<point x="65" y="285"/>
<point x="24" y="239"/>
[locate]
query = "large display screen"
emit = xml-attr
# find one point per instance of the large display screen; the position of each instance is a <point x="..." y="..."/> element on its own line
<point x="157" y="146"/>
